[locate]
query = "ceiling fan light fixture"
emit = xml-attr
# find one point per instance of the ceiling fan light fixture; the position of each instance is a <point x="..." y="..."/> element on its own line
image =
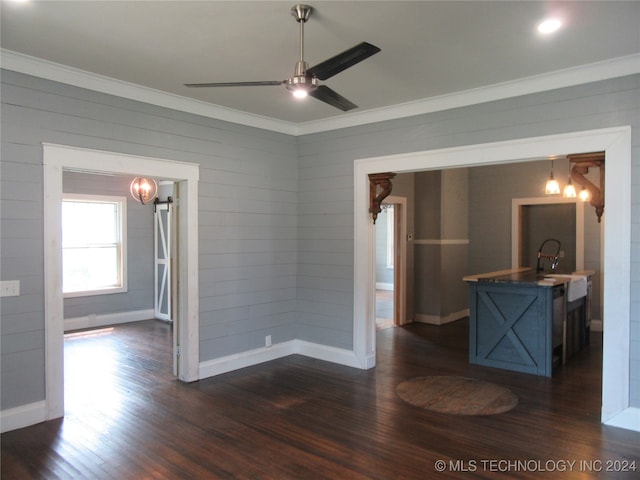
<point x="305" y="80"/>
<point x="300" y="93"/>
<point x="301" y="85"/>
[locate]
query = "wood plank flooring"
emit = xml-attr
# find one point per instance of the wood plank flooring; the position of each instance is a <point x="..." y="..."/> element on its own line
<point x="299" y="418"/>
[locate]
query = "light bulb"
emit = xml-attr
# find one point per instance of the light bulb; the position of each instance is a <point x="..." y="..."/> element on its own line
<point x="143" y="189"/>
<point x="300" y="93"/>
<point x="584" y="194"/>
<point x="552" y="187"/>
<point x="569" y="190"/>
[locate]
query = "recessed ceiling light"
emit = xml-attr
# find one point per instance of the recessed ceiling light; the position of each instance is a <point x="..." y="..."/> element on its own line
<point x="549" y="26"/>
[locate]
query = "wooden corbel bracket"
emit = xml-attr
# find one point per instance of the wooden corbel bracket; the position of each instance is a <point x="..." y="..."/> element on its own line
<point x="382" y="180"/>
<point x="581" y="163"/>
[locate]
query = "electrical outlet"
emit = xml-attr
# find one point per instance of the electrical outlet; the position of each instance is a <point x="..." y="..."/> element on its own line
<point x="10" y="288"/>
<point x="267" y="341"/>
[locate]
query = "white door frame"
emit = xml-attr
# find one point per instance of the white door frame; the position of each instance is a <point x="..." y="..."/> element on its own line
<point x="56" y="159"/>
<point x="517" y="205"/>
<point x="616" y="142"/>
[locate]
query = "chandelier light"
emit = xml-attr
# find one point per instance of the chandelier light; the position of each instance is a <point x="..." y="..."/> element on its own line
<point x="144" y="190"/>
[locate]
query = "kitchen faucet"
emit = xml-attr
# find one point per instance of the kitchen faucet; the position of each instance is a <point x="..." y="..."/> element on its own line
<point x="552" y="257"/>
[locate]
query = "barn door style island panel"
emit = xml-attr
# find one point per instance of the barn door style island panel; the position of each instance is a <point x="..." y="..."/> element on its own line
<point x="528" y="322"/>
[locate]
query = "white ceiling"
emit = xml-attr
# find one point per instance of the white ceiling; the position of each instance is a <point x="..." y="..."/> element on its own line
<point x="429" y="49"/>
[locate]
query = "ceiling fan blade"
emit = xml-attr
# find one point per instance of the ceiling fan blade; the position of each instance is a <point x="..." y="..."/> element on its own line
<point x="326" y="95"/>
<point x="235" y="84"/>
<point x="342" y="61"/>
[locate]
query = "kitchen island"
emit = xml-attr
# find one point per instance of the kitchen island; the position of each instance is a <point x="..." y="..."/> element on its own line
<point x="528" y="322"/>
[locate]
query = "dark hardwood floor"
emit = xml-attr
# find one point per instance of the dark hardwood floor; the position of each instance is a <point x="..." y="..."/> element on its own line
<point x="299" y="418"/>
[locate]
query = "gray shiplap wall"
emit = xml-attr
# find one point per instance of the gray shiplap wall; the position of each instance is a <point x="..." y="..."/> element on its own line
<point x="247" y="217"/>
<point x="326" y="187"/>
<point x="276" y="212"/>
<point x="139" y="294"/>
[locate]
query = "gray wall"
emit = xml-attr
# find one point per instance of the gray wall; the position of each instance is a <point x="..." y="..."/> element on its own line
<point x="247" y="216"/>
<point x="276" y="212"/>
<point x="441" y="214"/>
<point x="557" y="221"/>
<point x="326" y="163"/>
<point x="139" y="295"/>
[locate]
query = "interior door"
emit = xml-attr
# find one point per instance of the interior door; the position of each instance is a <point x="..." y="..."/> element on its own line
<point x="162" y="262"/>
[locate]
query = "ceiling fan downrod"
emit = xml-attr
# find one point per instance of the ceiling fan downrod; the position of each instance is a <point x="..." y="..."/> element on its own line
<point x="301" y="84"/>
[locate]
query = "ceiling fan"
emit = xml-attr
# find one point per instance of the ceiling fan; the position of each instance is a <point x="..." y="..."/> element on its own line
<point x="305" y="80"/>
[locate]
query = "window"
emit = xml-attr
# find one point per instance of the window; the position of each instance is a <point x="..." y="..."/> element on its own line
<point x="93" y="248"/>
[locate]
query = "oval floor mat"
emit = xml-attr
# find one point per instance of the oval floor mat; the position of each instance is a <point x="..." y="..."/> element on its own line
<point x="457" y="395"/>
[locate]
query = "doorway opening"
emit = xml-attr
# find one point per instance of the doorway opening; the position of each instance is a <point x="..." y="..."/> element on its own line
<point x="532" y="220"/>
<point x="385" y="267"/>
<point x="56" y="160"/>
<point x="390" y="276"/>
<point x="616" y="142"/>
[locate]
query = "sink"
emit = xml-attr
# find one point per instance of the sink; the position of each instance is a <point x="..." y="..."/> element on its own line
<point x="576" y="285"/>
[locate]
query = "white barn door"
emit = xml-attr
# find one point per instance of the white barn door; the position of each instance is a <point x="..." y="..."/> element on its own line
<point x="162" y="261"/>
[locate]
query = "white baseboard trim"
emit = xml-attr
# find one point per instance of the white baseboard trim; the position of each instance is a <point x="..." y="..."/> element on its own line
<point x="596" y="325"/>
<point x="384" y="286"/>
<point x="328" y="354"/>
<point x="218" y="366"/>
<point x="629" y="418"/>
<point x="94" y="320"/>
<point x="436" y="320"/>
<point x="23" y="416"/>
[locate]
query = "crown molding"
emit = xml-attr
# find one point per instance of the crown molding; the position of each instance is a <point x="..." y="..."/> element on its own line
<point x="593" y="72"/>
<point x="608" y="69"/>
<point x="37" y="67"/>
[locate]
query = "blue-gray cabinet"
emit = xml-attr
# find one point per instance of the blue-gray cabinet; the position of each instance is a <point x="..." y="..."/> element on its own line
<point x="523" y="322"/>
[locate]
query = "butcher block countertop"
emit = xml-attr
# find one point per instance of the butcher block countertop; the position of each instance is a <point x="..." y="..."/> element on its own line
<point x="525" y="275"/>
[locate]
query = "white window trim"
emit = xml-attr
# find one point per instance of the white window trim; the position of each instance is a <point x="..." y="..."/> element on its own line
<point x="122" y="233"/>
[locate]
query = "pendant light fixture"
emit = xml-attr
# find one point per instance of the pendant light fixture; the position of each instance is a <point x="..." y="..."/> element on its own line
<point x="569" y="190"/>
<point x="144" y="190"/>
<point x="552" y="187"/>
<point x="585" y="196"/>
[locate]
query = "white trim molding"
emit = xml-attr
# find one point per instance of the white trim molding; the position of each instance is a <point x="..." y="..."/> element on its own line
<point x="249" y="358"/>
<point x="442" y="241"/>
<point x="438" y="320"/>
<point x="628" y="419"/>
<point x="101" y="320"/>
<point x="616" y="143"/>
<point x="23" y="416"/>
<point x="56" y="72"/>
<point x="607" y="69"/>
<point x="516" y="214"/>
